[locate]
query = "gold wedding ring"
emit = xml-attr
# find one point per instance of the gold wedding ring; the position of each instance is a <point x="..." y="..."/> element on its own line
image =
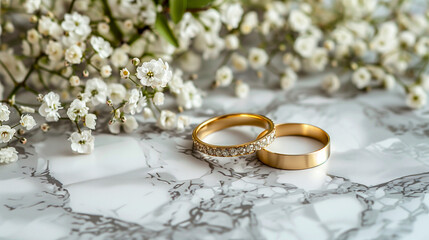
<point x="301" y="161"/>
<point x="230" y="120"/>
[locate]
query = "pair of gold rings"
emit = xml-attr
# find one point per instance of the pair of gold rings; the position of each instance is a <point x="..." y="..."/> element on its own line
<point x="265" y="138"/>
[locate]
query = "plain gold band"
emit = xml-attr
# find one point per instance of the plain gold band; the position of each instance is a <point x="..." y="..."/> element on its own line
<point x="230" y="120"/>
<point x="302" y="161"/>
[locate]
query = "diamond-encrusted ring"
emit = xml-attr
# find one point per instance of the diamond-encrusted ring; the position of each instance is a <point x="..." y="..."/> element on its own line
<point x="230" y="120"/>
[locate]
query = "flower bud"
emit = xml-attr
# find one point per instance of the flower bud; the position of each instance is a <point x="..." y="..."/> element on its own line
<point x="23" y="140"/>
<point x="85" y="73"/>
<point x="40" y="97"/>
<point x="21" y="131"/>
<point x="109" y="102"/>
<point x="44" y="127"/>
<point x="135" y="61"/>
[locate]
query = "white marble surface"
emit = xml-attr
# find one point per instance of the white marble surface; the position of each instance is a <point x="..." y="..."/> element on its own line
<point x="151" y="185"/>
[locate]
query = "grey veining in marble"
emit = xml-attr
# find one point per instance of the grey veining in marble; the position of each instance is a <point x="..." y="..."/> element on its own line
<point x="151" y="185"/>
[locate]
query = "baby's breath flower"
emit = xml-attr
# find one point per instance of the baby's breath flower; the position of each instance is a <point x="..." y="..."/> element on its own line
<point x="8" y="155"/>
<point x="73" y="54"/>
<point x="4" y="112"/>
<point x="288" y="79"/>
<point x="167" y="120"/>
<point x="90" y="121"/>
<point x="361" y="78"/>
<point x="74" y="81"/>
<point x="27" y="121"/>
<point x="82" y="142"/>
<point x="257" y="58"/>
<point x="106" y="71"/>
<point x="125" y="73"/>
<point x="50" y="106"/>
<point x="416" y="97"/>
<point x="158" y="98"/>
<point x="6" y="133"/>
<point x="147" y="113"/>
<point x="224" y="76"/>
<point x="331" y="83"/>
<point x="241" y="89"/>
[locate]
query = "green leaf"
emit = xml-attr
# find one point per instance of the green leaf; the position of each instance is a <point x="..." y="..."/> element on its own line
<point x="162" y="28"/>
<point x="198" y="3"/>
<point x="177" y="9"/>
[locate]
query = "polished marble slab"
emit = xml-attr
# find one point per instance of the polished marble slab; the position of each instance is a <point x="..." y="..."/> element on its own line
<point x="151" y="185"/>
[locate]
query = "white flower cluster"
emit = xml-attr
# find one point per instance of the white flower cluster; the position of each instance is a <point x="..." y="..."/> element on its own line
<point x="113" y="59"/>
<point x="9" y="154"/>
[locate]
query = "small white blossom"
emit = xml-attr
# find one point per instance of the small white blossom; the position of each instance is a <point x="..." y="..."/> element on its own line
<point x="48" y="27"/>
<point x="305" y="46"/>
<point x="407" y="39"/>
<point x="106" y="71"/>
<point x="82" y="142"/>
<point x="158" y="98"/>
<point x="176" y="82"/>
<point x="241" y="89"/>
<point x="331" y="83"/>
<point x="27" y="121"/>
<point x="136" y="102"/>
<point x="129" y="125"/>
<point x="6" y="133"/>
<point x="103" y="28"/>
<point x="422" y="46"/>
<point x="32" y="5"/>
<point x="250" y="21"/>
<point x="25" y="109"/>
<point x="147" y="113"/>
<point x="232" y="42"/>
<point x="167" y="120"/>
<point x="288" y="79"/>
<point x="189" y="96"/>
<point x="97" y="90"/>
<point x="125" y="73"/>
<point x="33" y="36"/>
<point x="101" y="46"/>
<point x="73" y="54"/>
<point x="257" y="58"/>
<point x="154" y="73"/>
<point x="119" y="58"/>
<point x="74" y="81"/>
<point x="50" y="106"/>
<point x="8" y="155"/>
<point x="77" y="27"/>
<point x="182" y="123"/>
<point x="190" y="61"/>
<point x="416" y="97"/>
<point x="116" y="92"/>
<point x="361" y="78"/>
<point x="224" y="76"/>
<point x="299" y="21"/>
<point x="4" y="112"/>
<point x="342" y="36"/>
<point x="238" y="62"/>
<point x="55" y="51"/>
<point x="389" y="82"/>
<point x="90" y="120"/>
<point x="77" y="108"/>
<point x="231" y="14"/>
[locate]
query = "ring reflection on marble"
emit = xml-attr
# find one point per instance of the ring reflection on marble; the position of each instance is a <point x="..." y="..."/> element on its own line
<point x="295" y="161"/>
<point x="231" y="120"/>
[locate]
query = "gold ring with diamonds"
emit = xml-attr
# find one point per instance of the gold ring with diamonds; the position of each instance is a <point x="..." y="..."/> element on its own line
<point x="231" y="120"/>
<point x="297" y="161"/>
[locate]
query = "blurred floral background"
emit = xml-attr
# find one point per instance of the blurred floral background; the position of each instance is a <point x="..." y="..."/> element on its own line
<point x="80" y="61"/>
